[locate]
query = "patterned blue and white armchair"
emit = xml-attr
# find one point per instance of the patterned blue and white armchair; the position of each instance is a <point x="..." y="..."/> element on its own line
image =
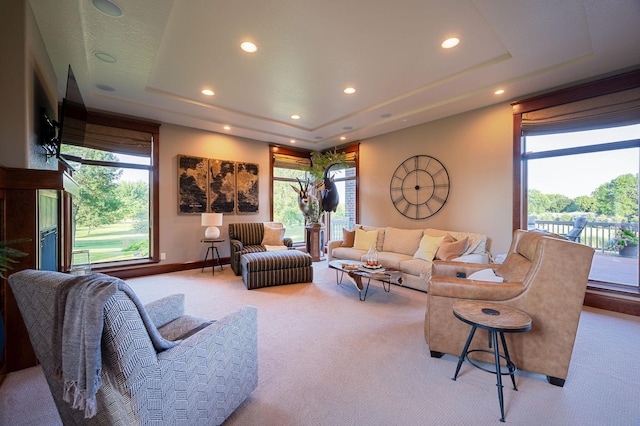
<point x="200" y="381"/>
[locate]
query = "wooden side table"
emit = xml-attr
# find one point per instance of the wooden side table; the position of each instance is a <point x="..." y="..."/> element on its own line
<point x="497" y="320"/>
<point x="212" y="248"/>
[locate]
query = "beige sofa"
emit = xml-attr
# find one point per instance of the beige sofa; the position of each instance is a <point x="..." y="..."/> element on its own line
<point x="397" y="249"/>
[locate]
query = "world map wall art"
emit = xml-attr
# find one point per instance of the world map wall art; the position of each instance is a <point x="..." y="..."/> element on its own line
<point x="207" y="185"/>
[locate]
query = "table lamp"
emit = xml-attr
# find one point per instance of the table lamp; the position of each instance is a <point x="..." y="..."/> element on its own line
<point x="212" y="220"/>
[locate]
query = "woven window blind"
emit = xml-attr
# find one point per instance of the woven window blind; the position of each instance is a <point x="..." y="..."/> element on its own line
<point x="614" y="109"/>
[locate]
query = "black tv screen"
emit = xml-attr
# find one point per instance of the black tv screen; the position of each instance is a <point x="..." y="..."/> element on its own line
<point x="73" y="117"/>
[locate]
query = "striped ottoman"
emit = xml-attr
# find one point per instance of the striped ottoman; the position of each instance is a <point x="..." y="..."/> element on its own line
<point x="270" y="268"/>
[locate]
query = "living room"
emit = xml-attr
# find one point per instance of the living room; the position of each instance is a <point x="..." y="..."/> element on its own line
<point x="476" y="146"/>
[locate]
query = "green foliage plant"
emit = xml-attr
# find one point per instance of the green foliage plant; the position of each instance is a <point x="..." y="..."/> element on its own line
<point x="8" y="255"/>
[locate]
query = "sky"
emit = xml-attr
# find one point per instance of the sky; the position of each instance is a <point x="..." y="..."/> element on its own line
<point x="582" y="174"/>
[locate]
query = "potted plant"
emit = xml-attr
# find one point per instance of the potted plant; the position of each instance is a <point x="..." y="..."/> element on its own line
<point x="625" y="242"/>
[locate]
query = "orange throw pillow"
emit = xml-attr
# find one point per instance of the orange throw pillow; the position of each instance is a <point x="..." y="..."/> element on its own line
<point x="450" y="248"/>
<point x="348" y="238"/>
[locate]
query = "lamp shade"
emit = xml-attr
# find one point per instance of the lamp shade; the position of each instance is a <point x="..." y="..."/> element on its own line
<point x="211" y="220"/>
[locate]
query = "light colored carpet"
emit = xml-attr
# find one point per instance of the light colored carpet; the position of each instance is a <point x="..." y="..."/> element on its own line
<point x="328" y="359"/>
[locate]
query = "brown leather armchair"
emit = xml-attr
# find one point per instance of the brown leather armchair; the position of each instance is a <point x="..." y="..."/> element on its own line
<point x="544" y="275"/>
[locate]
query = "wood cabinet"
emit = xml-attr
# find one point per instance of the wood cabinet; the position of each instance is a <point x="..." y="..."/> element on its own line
<point x="34" y="205"/>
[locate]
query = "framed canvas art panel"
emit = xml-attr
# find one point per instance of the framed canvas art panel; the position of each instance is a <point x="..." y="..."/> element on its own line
<point x="248" y="195"/>
<point x="222" y="186"/>
<point x="192" y="184"/>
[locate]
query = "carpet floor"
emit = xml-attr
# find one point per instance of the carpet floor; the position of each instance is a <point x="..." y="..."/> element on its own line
<point x="326" y="358"/>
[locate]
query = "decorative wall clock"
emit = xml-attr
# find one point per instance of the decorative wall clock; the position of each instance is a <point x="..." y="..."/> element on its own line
<point x="419" y="187"/>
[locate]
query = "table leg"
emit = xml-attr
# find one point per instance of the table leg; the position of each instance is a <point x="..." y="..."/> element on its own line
<point x="205" y="258"/>
<point x="464" y="351"/>
<point x="219" y="260"/>
<point x="496" y="353"/>
<point x="510" y="365"/>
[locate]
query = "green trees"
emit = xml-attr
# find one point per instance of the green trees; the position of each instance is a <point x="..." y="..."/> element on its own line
<point x="617" y="199"/>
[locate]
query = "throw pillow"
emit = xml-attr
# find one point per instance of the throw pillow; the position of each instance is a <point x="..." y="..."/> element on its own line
<point x="428" y="247"/>
<point x="348" y="238"/>
<point x="451" y="249"/>
<point x="485" y="275"/>
<point x="273" y="236"/>
<point x="365" y="239"/>
<point x="403" y="241"/>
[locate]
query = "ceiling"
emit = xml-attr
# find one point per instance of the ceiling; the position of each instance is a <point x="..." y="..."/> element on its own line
<point x="309" y="51"/>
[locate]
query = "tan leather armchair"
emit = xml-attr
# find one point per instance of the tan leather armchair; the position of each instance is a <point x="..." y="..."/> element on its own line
<point x="544" y="275"/>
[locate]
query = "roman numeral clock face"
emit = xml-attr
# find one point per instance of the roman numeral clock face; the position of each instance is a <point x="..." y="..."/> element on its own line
<point x="419" y="187"/>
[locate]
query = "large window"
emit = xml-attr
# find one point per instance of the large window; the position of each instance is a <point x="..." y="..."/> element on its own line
<point x="576" y="161"/>
<point x="599" y="187"/>
<point x="288" y="171"/>
<point x="114" y="220"/>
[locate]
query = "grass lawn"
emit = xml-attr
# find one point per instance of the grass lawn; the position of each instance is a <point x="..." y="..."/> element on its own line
<point x="108" y="243"/>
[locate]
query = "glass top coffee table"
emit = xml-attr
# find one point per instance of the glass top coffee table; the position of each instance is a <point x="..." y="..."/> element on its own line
<point x="356" y="271"/>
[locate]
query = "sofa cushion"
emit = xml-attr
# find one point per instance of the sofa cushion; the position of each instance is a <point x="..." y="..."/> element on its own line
<point x="348" y="253"/>
<point x="391" y="260"/>
<point x="405" y="241"/>
<point x="365" y="239"/>
<point x="428" y="247"/>
<point x="273" y="236"/>
<point x="450" y="248"/>
<point x="418" y="267"/>
<point x="348" y="238"/>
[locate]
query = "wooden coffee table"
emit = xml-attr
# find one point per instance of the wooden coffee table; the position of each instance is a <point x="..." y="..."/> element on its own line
<point x="356" y="272"/>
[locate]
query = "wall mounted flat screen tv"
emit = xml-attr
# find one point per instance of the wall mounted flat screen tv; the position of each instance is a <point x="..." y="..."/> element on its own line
<point x="73" y="118"/>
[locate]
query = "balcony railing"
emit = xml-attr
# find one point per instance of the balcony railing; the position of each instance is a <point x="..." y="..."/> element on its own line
<point x="594" y="234"/>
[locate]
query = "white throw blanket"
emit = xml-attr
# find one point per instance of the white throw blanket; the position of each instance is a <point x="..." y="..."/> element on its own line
<point x="77" y="335"/>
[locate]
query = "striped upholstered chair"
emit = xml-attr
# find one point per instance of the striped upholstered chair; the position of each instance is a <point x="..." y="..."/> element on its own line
<point x="199" y="381"/>
<point x="247" y="238"/>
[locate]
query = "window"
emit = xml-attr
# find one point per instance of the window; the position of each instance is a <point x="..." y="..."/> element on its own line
<point x="577" y="155"/>
<point x="114" y="218"/>
<point x="288" y="171"/>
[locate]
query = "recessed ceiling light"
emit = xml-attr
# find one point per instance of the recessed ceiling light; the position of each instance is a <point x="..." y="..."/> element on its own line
<point x="208" y="92"/>
<point x="450" y="42"/>
<point x="350" y="90"/>
<point x="108" y="7"/>
<point x="295" y="117"/>
<point x="248" y="47"/>
<point x="227" y="127"/>
<point x="499" y="92"/>
<point x="343" y="138"/>
<point x="105" y="57"/>
<point x="292" y="141"/>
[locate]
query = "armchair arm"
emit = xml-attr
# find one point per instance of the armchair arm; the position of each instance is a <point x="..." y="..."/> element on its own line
<point x="165" y="310"/>
<point x="225" y="355"/>
<point x="448" y="268"/>
<point x="461" y="288"/>
<point x="330" y="246"/>
<point x="236" y="245"/>
<point x="287" y="241"/>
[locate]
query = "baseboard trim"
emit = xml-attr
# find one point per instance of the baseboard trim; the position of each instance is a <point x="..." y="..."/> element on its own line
<point x="156" y="269"/>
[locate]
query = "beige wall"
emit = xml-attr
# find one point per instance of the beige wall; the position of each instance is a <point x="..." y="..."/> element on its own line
<point x="27" y="83"/>
<point x="180" y="234"/>
<point x="474" y="147"/>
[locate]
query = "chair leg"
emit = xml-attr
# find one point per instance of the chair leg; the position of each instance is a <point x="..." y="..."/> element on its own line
<point x="556" y="381"/>
<point x="436" y="354"/>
